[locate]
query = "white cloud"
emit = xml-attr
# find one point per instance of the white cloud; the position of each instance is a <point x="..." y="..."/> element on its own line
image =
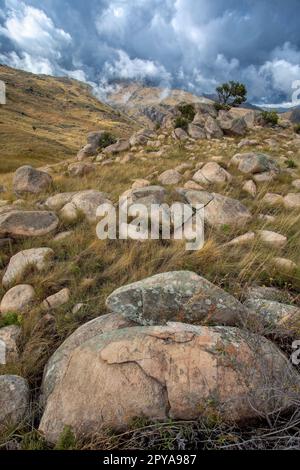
<point x="27" y="62"/>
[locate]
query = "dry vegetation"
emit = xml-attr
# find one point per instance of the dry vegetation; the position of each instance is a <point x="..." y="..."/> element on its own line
<point x="92" y="269"/>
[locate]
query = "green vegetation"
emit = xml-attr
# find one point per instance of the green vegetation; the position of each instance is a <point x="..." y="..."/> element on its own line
<point x="187" y="111"/>
<point x="231" y="94"/>
<point x="181" y="122"/>
<point x="270" y="117"/>
<point x="297" y="128"/>
<point x="10" y="319"/>
<point x="106" y="140"/>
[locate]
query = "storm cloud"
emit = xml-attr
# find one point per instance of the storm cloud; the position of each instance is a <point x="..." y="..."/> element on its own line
<point x="189" y="44"/>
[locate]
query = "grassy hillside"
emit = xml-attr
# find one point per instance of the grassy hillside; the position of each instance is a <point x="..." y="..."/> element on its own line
<point x="46" y="119"/>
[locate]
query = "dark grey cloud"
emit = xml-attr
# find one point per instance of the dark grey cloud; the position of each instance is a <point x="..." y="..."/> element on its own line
<point x="191" y="44"/>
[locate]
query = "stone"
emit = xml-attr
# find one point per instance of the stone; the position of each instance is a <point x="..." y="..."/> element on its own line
<point x="265" y="177"/>
<point x="86" y="152"/>
<point x="19" y="263"/>
<point x="219" y="210"/>
<point x="62" y="236"/>
<point x="86" y="203"/>
<point x="272" y="239"/>
<point x="14" y="400"/>
<point x="17" y="300"/>
<point x="17" y="224"/>
<point x="56" y="202"/>
<point x="180" y="134"/>
<point x="140" y="183"/>
<point x="267" y="293"/>
<point x="247" y="143"/>
<point x="283" y="317"/>
<point x="174" y="372"/>
<point x="267" y="218"/>
<point x="193" y="185"/>
<point x="29" y="180"/>
<point x="232" y="126"/>
<point x="58" y="363"/>
<point x="81" y="169"/>
<point x="170" y="177"/>
<point x="57" y="300"/>
<point x="248" y="237"/>
<point x="272" y="199"/>
<point x="175" y="296"/>
<point x="212" y="172"/>
<point x="250" y="188"/>
<point x="252" y="163"/>
<point x="296" y="184"/>
<point x="284" y="264"/>
<point x="122" y="145"/>
<point x="196" y="132"/>
<point x="292" y="201"/>
<point x="9" y="351"/>
<point x="212" y="129"/>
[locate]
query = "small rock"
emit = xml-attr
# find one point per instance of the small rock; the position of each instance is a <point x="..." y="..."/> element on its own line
<point x="29" y="180"/>
<point x="296" y="184"/>
<point x="18" y="299"/>
<point x="57" y="300"/>
<point x="140" y="183"/>
<point x="122" y="145"/>
<point x="272" y="239"/>
<point x="180" y="134"/>
<point x="81" y="169"/>
<point x="284" y="264"/>
<point x="14" y="400"/>
<point x="193" y="185"/>
<point x="250" y="188"/>
<point x="62" y="236"/>
<point x="212" y="172"/>
<point x="170" y="177"/>
<point x="242" y="239"/>
<point x="18" y="264"/>
<point x="9" y="351"/>
<point x="292" y="201"/>
<point x="272" y="199"/>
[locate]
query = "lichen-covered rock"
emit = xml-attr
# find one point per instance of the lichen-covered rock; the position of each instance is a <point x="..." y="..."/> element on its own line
<point x="27" y="224"/>
<point x="122" y="145"/>
<point x="57" y="300"/>
<point x="29" y="180"/>
<point x="176" y="296"/>
<point x="86" y="203"/>
<point x="14" y="400"/>
<point x="178" y="371"/>
<point x="292" y="201"/>
<point x="272" y="239"/>
<point x="196" y="132"/>
<point x="252" y="163"/>
<point x="212" y="129"/>
<point x="283" y="318"/>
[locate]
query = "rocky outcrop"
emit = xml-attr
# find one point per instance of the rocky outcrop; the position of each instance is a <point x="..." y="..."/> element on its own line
<point x="174" y="372"/>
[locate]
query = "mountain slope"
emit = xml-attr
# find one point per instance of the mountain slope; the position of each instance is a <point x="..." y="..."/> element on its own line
<point x="46" y="119"/>
<point x="147" y="104"/>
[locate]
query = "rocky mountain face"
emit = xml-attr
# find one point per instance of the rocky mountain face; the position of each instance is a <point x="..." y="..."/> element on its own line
<point x="98" y="337"/>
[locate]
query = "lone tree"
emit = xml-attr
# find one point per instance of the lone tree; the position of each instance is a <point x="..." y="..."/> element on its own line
<point x="231" y="94"/>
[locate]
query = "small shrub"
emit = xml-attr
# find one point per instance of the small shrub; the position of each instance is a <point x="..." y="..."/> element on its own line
<point x="106" y="140"/>
<point x="270" y="117"/>
<point x="66" y="440"/>
<point x="291" y="163"/>
<point x="181" y="122"/>
<point x="221" y="107"/>
<point x="297" y="128"/>
<point x="187" y="111"/>
<point x="10" y="318"/>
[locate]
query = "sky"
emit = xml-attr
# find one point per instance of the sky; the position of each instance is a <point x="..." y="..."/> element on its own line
<point x="190" y="44"/>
